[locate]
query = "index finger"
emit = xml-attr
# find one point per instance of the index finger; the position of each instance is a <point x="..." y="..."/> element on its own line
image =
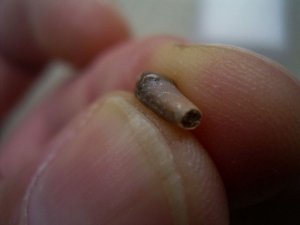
<point x="251" y="109"/>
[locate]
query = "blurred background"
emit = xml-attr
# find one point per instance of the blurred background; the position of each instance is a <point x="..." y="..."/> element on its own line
<point x="268" y="27"/>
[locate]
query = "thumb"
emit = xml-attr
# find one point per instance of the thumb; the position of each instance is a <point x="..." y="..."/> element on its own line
<point x="120" y="164"/>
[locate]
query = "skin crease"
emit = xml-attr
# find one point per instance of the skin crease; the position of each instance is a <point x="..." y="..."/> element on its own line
<point x="250" y="114"/>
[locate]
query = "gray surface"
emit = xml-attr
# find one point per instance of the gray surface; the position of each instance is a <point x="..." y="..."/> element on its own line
<point x="185" y="18"/>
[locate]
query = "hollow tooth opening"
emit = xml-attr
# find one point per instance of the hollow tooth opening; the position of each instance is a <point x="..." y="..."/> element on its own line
<point x="191" y="119"/>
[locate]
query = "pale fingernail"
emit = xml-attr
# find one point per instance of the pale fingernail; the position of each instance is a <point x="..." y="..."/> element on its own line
<point x="118" y="166"/>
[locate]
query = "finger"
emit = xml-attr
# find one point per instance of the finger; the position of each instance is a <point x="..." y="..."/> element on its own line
<point x="120" y="164"/>
<point x="251" y="110"/>
<point x="32" y="31"/>
<point x="253" y="160"/>
<point x="54" y="114"/>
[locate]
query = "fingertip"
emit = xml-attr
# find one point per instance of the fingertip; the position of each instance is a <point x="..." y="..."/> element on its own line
<point x="251" y="109"/>
<point x="118" y="167"/>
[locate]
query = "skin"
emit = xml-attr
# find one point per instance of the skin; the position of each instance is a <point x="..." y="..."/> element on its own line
<point x="91" y="155"/>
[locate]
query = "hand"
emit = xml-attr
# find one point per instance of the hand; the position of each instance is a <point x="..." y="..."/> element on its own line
<point x="89" y="155"/>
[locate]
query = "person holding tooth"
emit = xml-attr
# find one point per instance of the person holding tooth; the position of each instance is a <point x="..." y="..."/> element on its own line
<point x="92" y="153"/>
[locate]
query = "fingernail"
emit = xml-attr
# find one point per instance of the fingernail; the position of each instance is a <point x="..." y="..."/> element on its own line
<point x="117" y="169"/>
